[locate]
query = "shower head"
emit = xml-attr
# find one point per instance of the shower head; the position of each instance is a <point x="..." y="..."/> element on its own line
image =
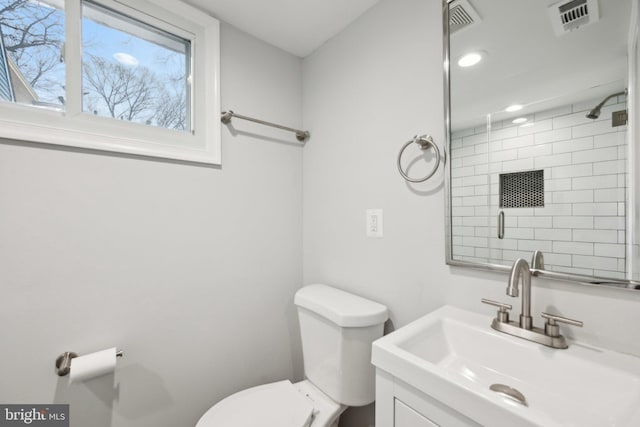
<point x="594" y="113"/>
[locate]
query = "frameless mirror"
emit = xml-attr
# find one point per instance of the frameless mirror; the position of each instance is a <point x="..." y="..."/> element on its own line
<point x="539" y="121"/>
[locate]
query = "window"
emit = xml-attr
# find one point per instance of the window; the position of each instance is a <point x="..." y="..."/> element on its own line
<point x="136" y="77"/>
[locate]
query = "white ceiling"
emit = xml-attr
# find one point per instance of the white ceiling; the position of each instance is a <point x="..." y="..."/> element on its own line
<point x="528" y="64"/>
<point x="296" y="26"/>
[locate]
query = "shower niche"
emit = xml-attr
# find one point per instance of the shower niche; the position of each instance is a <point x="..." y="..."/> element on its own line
<point x="538" y="137"/>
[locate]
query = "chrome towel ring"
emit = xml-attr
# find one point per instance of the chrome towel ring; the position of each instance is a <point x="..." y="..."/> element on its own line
<point x="424" y="141"/>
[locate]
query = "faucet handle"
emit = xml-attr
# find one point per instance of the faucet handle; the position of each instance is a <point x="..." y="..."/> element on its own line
<point x="502" y="315"/>
<point x="551" y="327"/>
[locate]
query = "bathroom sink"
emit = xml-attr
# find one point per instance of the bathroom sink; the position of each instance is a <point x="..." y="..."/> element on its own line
<point x="454" y="356"/>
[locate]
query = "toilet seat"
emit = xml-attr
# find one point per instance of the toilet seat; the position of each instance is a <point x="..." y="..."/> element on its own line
<point x="276" y="404"/>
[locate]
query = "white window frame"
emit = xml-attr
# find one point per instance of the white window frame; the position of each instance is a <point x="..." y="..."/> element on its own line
<point x="75" y="128"/>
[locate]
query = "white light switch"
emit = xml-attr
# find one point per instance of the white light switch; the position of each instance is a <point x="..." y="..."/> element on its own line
<point x="374" y="223"/>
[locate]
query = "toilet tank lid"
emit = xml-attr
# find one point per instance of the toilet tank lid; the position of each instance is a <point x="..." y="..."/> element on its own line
<point x="340" y="307"/>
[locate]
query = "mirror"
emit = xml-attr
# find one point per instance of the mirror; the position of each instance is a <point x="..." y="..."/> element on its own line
<point x="538" y="122"/>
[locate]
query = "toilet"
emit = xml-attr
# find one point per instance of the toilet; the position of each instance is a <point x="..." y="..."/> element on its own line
<point x="337" y="329"/>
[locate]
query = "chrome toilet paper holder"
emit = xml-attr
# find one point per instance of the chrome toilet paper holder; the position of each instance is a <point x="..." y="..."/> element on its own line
<point x="63" y="362"/>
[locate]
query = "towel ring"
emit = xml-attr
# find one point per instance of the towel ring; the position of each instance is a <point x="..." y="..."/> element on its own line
<point x="425" y="141"/>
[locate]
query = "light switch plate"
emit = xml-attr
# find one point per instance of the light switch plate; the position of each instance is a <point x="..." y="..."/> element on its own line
<point x="374" y="223"/>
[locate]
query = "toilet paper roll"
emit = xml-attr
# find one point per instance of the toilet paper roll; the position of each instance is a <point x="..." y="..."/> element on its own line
<point x="92" y="365"/>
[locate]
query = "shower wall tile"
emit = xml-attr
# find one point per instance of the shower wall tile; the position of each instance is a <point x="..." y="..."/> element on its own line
<point x="581" y="228"/>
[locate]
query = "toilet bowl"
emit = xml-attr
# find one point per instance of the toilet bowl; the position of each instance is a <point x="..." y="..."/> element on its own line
<point x="281" y="404"/>
<point x="337" y="330"/>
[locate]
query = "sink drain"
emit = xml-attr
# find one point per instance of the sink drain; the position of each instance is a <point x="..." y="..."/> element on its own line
<point x="509" y="393"/>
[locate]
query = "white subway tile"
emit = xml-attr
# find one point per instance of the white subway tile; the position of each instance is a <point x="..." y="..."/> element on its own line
<point x="609" y="222"/>
<point x="464" y="211"/>
<point x="622" y="152"/>
<point x="575" y="196"/>
<point x="458" y="134"/>
<point x="504" y="243"/>
<point x="609" y="250"/>
<point x="475" y="221"/>
<point x="596" y="155"/>
<point x="569" y="120"/>
<point x="598" y="236"/>
<point x="535" y="221"/>
<point x="537" y="127"/>
<point x="601" y="263"/>
<point x="474" y="180"/>
<point x="609" y="167"/>
<point x="519" y="211"/>
<point x="554" y="209"/>
<point x="610" y="274"/>
<point x="561" y="184"/>
<point x="456" y="220"/>
<point x="595" y="209"/>
<point x="573" y="145"/>
<point x="609" y="195"/>
<point x="553" y="233"/>
<point x="464" y="171"/>
<point x="552" y="136"/>
<point x="456" y="182"/>
<point x="500" y="156"/>
<point x="572" y="171"/>
<point x="489" y="253"/>
<point x="518" y="142"/>
<point x="593" y="182"/>
<point x="555" y="112"/>
<point x="594" y="128"/>
<point x="456" y="240"/>
<point x="481" y="242"/>
<point x="517" y="165"/>
<point x="480" y="190"/>
<point x="621" y="209"/>
<point x="503" y="134"/>
<point x="515" y="254"/>
<point x="462" y="152"/>
<point x="553" y="258"/>
<point x="463" y="231"/>
<point x="482" y="169"/>
<point x="534" y="245"/>
<point x="474" y="139"/>
<point x="573" y="222"/>
<point x="479" y="159"/>
<point x="481" y="148"/>
<point x="581" y="248"/>
<point x="463" y="191"/>
<point x="497" y="145"/>
<point x="462" y="250"/>
<point x="553" y="160"/>
<point x="518" y="233"/>
<point x="609" y="139"/>
<point x="534" y="151"/>
<point x="621" y="236"/>
<point x="483" y="232"/>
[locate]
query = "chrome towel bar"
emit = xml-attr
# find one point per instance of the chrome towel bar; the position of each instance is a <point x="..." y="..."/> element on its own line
<point x="301" y="135"/>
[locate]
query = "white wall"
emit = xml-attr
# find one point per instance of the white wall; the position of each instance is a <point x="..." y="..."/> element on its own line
<point x="366" y="92"/>
<point x="190" y="269"/>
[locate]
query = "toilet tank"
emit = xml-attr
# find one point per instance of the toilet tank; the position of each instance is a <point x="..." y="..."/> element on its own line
<point x="337" y="329"/>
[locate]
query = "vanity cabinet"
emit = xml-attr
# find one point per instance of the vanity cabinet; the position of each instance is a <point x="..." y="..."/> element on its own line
<point x="398" y="404"/>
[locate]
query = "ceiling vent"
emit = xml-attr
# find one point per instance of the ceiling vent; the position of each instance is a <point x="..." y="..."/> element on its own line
<point x="462" y="15"/>
<point x="568" y="16"/>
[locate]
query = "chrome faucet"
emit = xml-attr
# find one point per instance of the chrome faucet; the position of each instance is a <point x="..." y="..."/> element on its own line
<point x="521" y="269"/>
<point x="550" y="335"/>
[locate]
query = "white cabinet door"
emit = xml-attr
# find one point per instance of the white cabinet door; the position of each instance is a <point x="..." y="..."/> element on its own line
<point x="407" y="417"/>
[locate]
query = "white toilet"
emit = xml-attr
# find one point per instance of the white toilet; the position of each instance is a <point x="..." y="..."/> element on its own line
<point x="337" y="330"/>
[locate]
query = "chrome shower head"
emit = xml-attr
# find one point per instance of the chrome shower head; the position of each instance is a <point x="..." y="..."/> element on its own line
<point x="595" y="112"/>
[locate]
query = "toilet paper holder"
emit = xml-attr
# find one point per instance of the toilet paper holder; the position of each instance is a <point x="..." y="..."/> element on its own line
<point x="63" y="362"/>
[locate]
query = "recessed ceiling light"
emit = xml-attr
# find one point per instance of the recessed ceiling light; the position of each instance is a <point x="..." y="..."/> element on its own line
<point x="519" y="120"/>
<point x="513" y="108"/>
<point x="470" y="59"/>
